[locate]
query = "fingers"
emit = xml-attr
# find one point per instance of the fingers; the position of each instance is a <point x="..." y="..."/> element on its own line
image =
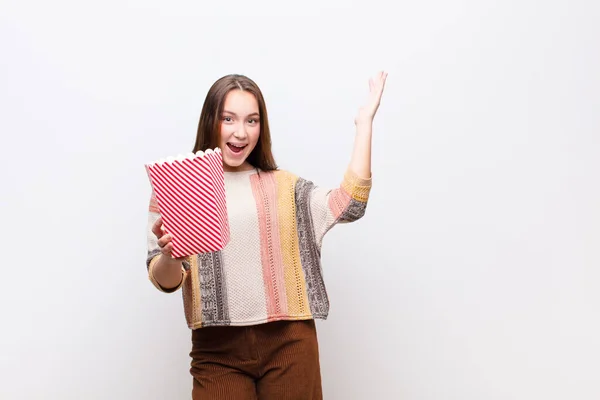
<point x="157" y="228"/>
<point x="381" y="79"/>
<point x="382" y="85"/>
<point x="167" y="250"/>
<point x="166" y="245"/>
<point x="377" y="84"/>
<point x="164" y="240"/>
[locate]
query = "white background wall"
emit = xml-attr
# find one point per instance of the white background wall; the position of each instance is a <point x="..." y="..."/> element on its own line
<point x="474" y="274"/>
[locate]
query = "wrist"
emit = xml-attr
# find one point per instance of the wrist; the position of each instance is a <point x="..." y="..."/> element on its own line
<point x="364" y="129"/>
<point x="363" y="122"/>
<point x="169" y="262"/>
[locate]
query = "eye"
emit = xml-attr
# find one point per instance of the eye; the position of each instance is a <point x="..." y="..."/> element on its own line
<point x="227" y="119"/>
<point x="253" y="121"/>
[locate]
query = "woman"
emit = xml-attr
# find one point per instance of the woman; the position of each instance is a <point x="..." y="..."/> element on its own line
<point x="251" y="307"/>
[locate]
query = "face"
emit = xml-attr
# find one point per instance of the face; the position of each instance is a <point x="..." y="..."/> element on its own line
<point x="240" y="129"/>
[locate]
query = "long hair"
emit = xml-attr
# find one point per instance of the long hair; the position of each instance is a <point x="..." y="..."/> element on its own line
<point x="209" y="126"/>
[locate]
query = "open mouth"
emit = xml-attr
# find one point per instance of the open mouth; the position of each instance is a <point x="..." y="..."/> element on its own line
<point x="236" y="148"/>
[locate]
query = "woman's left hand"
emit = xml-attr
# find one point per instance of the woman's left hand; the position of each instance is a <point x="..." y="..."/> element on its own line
<point x="367" y="112"/>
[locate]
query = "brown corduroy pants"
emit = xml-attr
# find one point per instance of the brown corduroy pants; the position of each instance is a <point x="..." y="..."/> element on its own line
<point x="272" y="361"/>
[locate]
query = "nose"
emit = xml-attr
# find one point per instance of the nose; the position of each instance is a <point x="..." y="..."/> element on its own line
<point x="240" y="132"/>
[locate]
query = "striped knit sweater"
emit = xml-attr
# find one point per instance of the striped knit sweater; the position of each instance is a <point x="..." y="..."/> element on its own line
<point x="271" y="268"/>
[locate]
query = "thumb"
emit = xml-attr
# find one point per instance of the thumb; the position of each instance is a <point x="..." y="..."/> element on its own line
<point x="157" y="228"/>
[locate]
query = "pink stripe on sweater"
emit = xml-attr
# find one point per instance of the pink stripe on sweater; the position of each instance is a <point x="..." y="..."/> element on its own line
<point x="264" y="188"/>
<point x="339" y="200"/>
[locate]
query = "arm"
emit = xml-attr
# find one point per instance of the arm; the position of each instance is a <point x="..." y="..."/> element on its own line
<point x="165" y="272"/>
<point x="360" y="163"/>
<point x="325" y="208"/>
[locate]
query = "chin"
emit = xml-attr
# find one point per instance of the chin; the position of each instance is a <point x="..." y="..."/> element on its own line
<point x="234" y="164"/>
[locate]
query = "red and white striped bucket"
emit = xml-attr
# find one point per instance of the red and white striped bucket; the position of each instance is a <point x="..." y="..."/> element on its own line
<point x="190" y="191"/>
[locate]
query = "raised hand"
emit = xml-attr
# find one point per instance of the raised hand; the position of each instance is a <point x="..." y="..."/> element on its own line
<point x="367" y="112"/>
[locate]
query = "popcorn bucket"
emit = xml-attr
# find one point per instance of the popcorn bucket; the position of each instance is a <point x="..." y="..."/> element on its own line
<point x="190" y="192"/>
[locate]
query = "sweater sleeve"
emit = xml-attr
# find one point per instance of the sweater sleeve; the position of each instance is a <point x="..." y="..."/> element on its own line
<point x="153" y="251"/>
<point x="323" y="208"/>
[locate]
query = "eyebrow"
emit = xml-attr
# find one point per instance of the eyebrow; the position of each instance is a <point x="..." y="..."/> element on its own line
<point x="232" y="113"/>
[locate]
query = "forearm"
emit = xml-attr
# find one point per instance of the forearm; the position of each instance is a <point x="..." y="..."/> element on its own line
<point x="167" y="272"/>
<point x="360" y="163"/>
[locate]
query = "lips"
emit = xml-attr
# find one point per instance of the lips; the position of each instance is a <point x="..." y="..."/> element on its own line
<point x="236" y="148"/>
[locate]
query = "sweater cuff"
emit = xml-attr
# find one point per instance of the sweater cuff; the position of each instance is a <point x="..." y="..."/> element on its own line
<point x="358" y="188"/>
